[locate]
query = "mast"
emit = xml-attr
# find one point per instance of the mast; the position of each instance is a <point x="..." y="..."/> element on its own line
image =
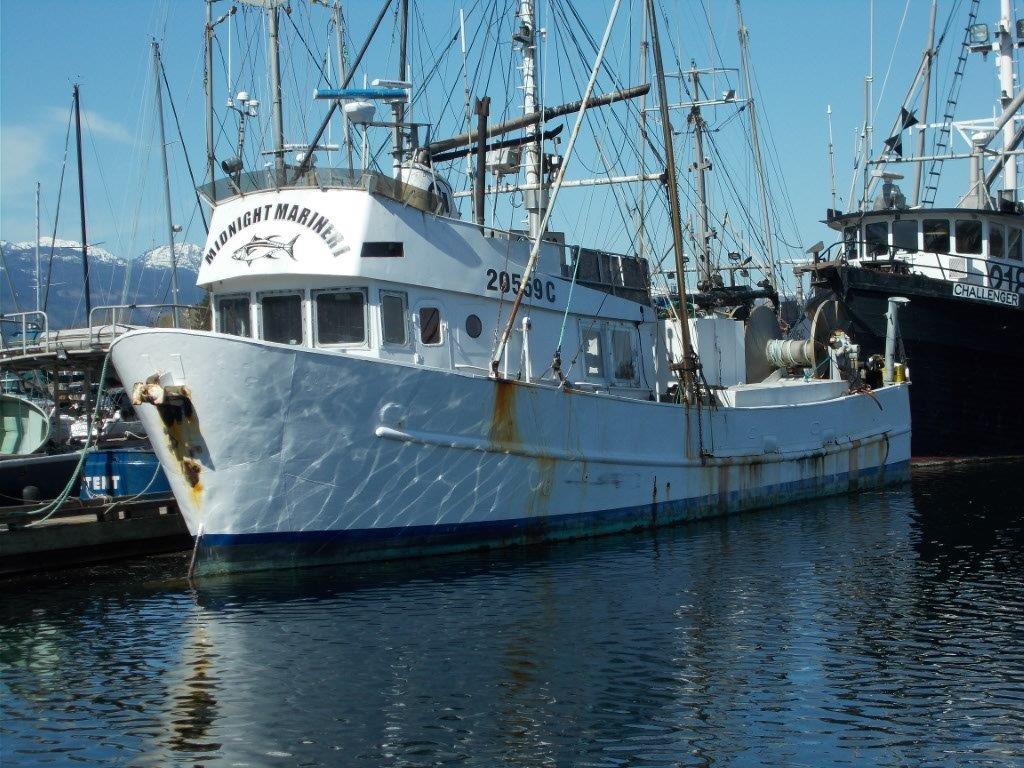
<point x="1006" y="87"/>
<point x="869" y="119"/>
<point x="399" y="106"/>
<point x="37" y="247"/>
<point x="275" y="91"/>
<point x="704" y="260"/>
<point x="339" y="41"/>
<point x="686" y="366"/>
<point x="208" y="86"/>
<point x="929" y="57"/>
<point x="641" y="231"/>
<point x="81" y="202"/>
<point x="762" y="187"/>
<point x="167" y="181"/>
<point x="527" y="39"/>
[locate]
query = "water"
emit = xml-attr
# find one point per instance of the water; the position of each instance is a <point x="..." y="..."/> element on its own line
<point x="885" y="629"/>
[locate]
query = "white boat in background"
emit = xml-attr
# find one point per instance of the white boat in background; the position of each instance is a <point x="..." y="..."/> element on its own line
<point x="379" y="380"/>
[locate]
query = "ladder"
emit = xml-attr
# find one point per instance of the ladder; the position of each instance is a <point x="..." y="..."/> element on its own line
<point x="944" y="137"/>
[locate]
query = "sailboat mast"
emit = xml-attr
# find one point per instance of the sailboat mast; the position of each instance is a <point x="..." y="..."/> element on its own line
<point x="929" y="56"/>
<point x="704" y="260"/>
<point x="275" y="91"/>
<point x="755" y="140"/>
<point x="38" y="274"/>
<point x="167" y="181"/>
<point x="81" y="202"/>
<point x="686" y="367"/>
<point x="535" y="192"/>
<point x="1006" y="87"/>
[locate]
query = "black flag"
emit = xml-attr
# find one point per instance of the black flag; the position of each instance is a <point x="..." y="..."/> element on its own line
<point x="895" y="145"/>
<point x="907" y="119"/>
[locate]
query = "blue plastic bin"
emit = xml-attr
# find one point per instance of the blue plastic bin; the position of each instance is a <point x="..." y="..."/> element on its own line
<point x="121" y="473"/>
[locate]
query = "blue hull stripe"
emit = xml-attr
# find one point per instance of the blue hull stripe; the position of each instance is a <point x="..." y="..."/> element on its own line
<point x="257" y="551"/>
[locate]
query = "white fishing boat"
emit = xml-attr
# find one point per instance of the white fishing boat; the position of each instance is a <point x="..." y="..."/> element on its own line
<point x="385" y="379"/>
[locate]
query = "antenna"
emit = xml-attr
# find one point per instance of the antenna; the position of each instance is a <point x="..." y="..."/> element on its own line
<point x="831" y="156"/>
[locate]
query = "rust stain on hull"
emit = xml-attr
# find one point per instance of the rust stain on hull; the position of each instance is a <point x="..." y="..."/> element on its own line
<point x="503" y="430"/>
<point x="181" y="428"/>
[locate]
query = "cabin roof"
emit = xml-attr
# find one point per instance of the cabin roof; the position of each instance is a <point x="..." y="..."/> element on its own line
<point x="843" y="219"/>
<point x="227" y="188"/>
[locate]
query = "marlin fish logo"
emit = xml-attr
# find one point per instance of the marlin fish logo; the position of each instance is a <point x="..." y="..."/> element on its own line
<point x="264" y="248"/>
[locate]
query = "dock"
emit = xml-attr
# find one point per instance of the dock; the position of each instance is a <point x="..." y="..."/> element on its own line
<point x="84" y="532"/>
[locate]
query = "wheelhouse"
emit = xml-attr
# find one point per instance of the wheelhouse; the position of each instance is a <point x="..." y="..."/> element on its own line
<point x="953" y="244"/>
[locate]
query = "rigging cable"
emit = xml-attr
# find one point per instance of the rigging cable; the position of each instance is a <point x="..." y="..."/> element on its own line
<point x="56" y="217"/>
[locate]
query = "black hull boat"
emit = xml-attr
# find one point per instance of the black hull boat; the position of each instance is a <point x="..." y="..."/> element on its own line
<point x="956" y="254"/>
<point x="965" y="354"/>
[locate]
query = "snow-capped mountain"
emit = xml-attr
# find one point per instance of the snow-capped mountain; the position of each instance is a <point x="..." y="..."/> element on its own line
<point x="145" y="279"/>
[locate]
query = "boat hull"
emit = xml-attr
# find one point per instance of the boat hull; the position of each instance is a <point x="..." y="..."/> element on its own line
<point x="288" y="455"/>
<point x="955" y="347"/>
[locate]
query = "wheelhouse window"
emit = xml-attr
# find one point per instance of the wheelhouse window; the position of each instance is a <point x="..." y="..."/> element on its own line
<point x="968" y="236"/>
<point x="340" y="317"/>
<point x="281" y="318"/>
<point x="593" y="355"/>
<point x="995" y="240"/>
<point x="430" y="325"/>
<point x="623" y="358"/>
<point x="936" y="235"/>
<point x="392" y="318"/>
<point x="1013" y="243"/>
<point x="382" y="250"/>
<point x="877" y="236"/>
<point x="904" y="235"/>
<point x="233" y="315"/>
<point x="850" y="242"/>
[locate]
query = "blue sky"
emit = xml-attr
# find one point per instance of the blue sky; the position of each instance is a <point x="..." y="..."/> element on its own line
<point x="806" y="56"/>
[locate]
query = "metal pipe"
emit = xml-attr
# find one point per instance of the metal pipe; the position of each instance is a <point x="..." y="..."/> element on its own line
<point x="399" y="106"/>
<point x="1006" y="86"/>
<point x="544" y="115"/>
<point x="275" y="92"/>
<point x="533" y="159"/>
<point x="1009" y="151"/>
<point x="891" y="332"/>
<point x="787" y="353"/>
<point x="531" y="263"/>
<point x="208" y="87"/>
<point x="704" y="262"/>
<point x="929" y="56"/>
<point x="641" y="150"/>
<point x="755" y="140"/>
<point x="483" y="108"/>
<point x="687" y="365"/>
<point x="339" y="41"/>
<point x="595" y="182"/>
<point x="304" y="165"/>
<point x="38" y="274"/>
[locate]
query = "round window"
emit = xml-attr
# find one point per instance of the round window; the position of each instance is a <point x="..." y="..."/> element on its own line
<point x="473" y="326"/>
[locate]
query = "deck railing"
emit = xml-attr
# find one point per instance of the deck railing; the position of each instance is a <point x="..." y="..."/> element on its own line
<point x="39" y="328"/>
<point x="912" y="260"/>
<point x="27" y="334"/>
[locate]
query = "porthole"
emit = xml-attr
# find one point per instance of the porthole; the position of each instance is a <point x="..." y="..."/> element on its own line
<point x="474" y="327"/>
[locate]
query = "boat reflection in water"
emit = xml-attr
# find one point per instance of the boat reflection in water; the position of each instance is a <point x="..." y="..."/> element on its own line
<point x="883" y="628"/>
